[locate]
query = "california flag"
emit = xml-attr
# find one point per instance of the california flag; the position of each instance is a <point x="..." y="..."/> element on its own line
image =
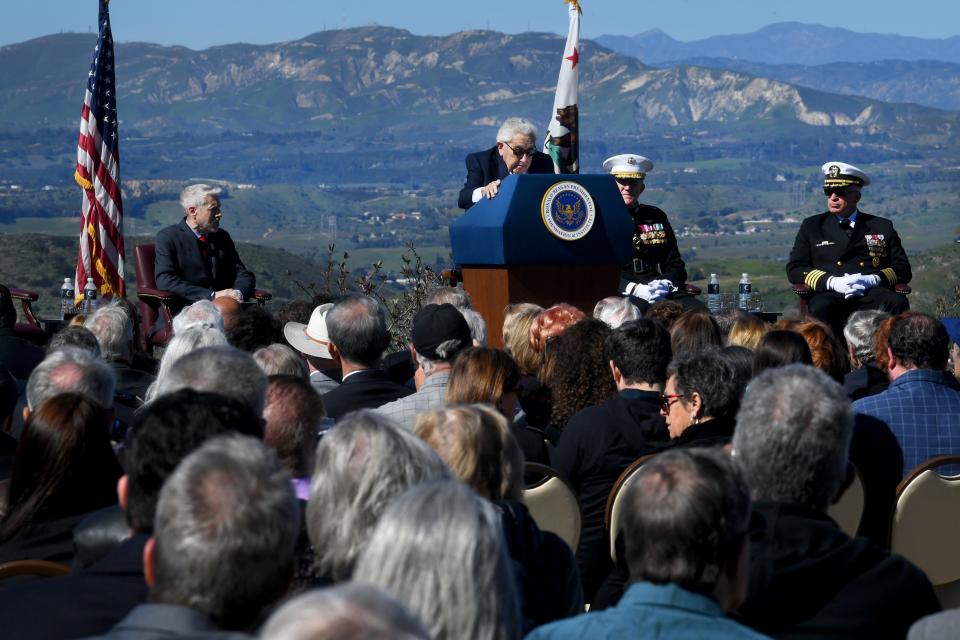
<point x="562" y="142"/>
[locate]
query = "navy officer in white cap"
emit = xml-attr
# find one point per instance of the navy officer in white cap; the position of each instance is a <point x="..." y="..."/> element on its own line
<point x="656" y="271"/>
<point x="850" y="259"/>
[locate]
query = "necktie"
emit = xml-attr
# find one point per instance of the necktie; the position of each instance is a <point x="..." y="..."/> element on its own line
<point x="204" y="245"/>
<point x="847" y="226"/>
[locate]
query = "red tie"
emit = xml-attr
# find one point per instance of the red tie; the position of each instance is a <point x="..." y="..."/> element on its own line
<point x="204" y="245"/>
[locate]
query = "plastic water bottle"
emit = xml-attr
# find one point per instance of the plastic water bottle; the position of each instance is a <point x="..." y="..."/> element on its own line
<point x="713" y="294"/>
<point x="67" y="307"/>
<point x="744" y="301"/>
<point x="90" y="301"/>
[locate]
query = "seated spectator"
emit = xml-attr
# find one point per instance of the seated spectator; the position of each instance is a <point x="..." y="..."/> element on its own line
<point x="864" y="378"/>
<point x="291" y="419"/>
<point x="92" y="599"/>
<point x="457" y="296"/>
<point x="361" y="464"/>
<point x="279" y="359"/>
<point x="701" y="399"/>
<point x="615" y="310"/>
<point x="880" y="343"/>
<point x="694" y="331"/>
<point x="439" y="333"/>
<point x="953" y="330"/>
<point x="551" y="323"/>
<point x="358" y="337"/>
<point x="727" y="318"/>
<point x="70" y="370"/>
<point x="439" y="549"/>
<point x="478" y="327"/>
<point x="312" y="341"/>
<point x="577" y="373"/>
<point x="223" y="543"/>
<point x="665" y="312"/>
<point x="747" y="331"/>
<point x="794" y="456"/>
<point x="224" y="370"/>
<point x="182" y="343"/>
<point x="685" y="524"/>
<point x="342" y="612"/>
<point x="920" y="406"/>
<point x="476" y="443"/>
<point x="779" y="348"/>
<point x="534" y="398"/>
<point x="252" y="329"/>
<point x="490" y="376"/>
<point x="600" y="441"/>
<point x="827" y="352"/>
<point x="742" y="360"/>
<point x="64" y="468"/>
<point x="18" y="355"/>
<point x="114" y="332"/>
<point x="74" y="336"/>
<point x="202" y="313"/>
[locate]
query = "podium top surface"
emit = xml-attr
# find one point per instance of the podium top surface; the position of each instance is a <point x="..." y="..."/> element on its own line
<point x="534" y="219"/>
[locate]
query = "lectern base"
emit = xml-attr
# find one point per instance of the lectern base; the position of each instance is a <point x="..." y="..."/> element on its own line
<point x="493" y="288"/>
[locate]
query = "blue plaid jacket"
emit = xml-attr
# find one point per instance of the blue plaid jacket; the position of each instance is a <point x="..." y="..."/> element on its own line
<point x="922" y="410"/>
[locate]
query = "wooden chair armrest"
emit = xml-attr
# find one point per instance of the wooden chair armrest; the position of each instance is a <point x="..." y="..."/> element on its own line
<point x="903" y="288"/>
<point x="801" y="290"/>
<point x="262" y="296"/>
<point x="23" y="294"/>
<point x="26" y="298"/>
<point x="155" y="294"/>
<point x="692" y="289"/>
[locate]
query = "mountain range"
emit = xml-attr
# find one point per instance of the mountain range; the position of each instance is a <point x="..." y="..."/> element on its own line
<point x="787" y="43"/>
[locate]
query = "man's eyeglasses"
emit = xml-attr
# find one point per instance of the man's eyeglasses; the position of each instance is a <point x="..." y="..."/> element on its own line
<point x="521" y="151"/>
<point x="667" y="400"/>
<point x="840" y="191"/>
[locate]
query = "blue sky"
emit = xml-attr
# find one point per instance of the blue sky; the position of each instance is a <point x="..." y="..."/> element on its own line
<point x="202" y="23"/>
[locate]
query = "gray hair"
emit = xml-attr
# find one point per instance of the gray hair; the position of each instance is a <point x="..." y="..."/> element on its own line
<point x="361" y="464"/>
<point x="70" y="369"/>
<point x="343" y="612"/>
<point x="793" y="436"/>
<point x="516" y="126"/>
<point x="202" y="313"/>
<point x="447" y="350"/>
<point x="685" y="519"/>
<point x="439" y="548"/>
<point x="711" y="375"/>
<point x="180" y="345"/>
<point x="859" y="331"/>
<point x="220" y="369"/>
<point x="279" y="359"/>
<point x="226" y="526"/>
<point x="196" y="194"/>
<point x="615" y="310"/>
<point x="74" y="336"/>
<point x="114" y="332"/>
<point x="357" y="326"/>
<point x="478" y="326"/>
<point x="457" y="296"/>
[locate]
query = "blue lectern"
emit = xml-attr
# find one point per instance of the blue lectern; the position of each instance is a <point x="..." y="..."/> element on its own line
<point x="545" y="239"/>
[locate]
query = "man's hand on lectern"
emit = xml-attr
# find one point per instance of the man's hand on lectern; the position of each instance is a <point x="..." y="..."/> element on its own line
<point x="491" y="189"/>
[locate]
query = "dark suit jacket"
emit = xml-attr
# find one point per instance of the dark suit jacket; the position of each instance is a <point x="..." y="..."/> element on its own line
<point x="362" y="390"/>
<point x="822" y="249"/>
<point x="181" y="268"/>
<point x="84" y="603"/>
<point x="162" y="621"/>
<point x="483" y="167"/>
<point x="19" y="356"/>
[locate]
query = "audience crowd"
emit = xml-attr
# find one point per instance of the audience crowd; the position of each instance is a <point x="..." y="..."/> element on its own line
<point x="280" y="475"/>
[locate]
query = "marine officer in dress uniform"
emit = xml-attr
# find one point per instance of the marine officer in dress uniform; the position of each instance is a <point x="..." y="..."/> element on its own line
<point x="850" y="259"/>
<point x="656" y="271"/>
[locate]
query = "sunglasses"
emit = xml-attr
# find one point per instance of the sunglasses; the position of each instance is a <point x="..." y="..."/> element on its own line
<point x="667" y="400"/>
<point x="521" y="151"/>
<point x="840" y="191"/>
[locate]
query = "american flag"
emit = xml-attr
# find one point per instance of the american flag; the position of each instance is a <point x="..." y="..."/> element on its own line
<point x="98" y="172"/>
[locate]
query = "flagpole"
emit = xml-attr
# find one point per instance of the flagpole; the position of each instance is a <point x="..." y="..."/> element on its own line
<point x="562" y="142"/>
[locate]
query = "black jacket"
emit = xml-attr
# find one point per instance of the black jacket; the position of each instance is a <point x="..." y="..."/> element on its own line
<point x="712" y="433"/>
<point x="596" y="445"/>
<point x="655" y="252"/>
<point x="822" y="249"/>
<point x="483" y="167"/>
<point x="181" y="268"/>
<point x="808" y="579"/>
<point x="362" y="390"/>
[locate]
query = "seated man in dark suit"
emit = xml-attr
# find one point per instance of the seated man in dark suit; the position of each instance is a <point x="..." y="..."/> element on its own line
<point x="196" y="259"/>
<point x="18" y="355"/>
<point x="357" y="327"/>
<point x="515" y="152"/>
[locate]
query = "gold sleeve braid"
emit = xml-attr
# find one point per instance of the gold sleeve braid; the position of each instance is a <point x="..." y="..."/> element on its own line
<point x="813" y="277"/>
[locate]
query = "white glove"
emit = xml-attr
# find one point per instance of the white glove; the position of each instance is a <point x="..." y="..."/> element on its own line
<point x="869" y="281"/>
<point x="849" y="286"/>
<point x="643" y="291"/>
<point x="663" y="285"/>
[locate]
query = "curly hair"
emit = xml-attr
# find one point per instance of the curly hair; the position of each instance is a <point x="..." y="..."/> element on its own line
<point x="576" y="370"/>
<point x="828" y="353"/>
<point x="552" y="322"/>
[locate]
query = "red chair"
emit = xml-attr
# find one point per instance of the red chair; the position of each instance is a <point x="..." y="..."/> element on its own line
<point x="805" y="293"/>
<point x="29" y="327"/>
<point x="156" y="303"/>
